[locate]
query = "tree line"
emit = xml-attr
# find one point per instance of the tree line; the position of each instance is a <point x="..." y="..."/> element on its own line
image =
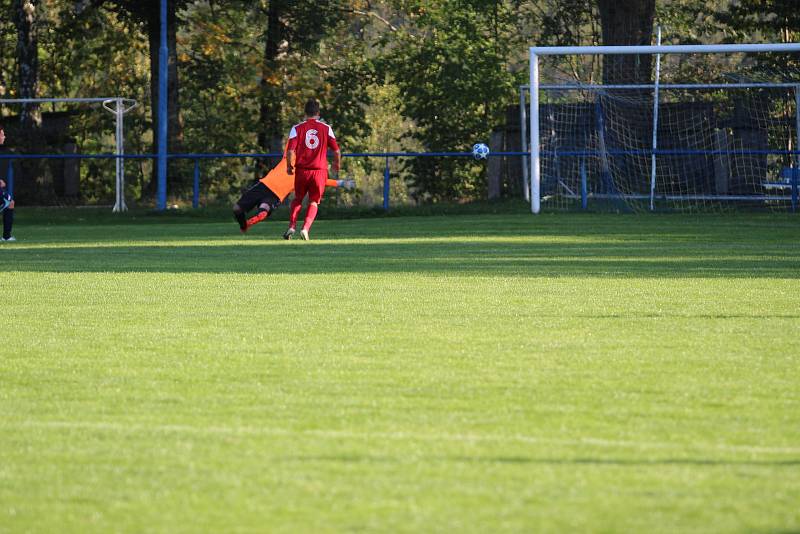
<point x="428" y="75"/>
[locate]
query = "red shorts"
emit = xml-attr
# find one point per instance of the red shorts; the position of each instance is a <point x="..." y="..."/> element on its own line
<point x="311" y="181"/>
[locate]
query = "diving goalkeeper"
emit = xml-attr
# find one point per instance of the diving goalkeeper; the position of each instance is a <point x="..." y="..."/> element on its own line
<point x="268" y="193"/>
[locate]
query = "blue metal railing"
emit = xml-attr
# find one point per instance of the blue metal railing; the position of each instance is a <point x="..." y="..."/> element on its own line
<point x="197" y="157"/>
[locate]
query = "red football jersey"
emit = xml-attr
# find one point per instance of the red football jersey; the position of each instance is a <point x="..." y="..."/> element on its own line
<point x="310" y="141"/>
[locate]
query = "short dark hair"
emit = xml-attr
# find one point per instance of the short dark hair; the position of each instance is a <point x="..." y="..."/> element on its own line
<point x="312" y="107"/>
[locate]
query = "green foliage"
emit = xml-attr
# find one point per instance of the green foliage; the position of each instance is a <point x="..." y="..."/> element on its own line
<point x="220" y="68"/>
<point x="451" y="67"/>
<point x="113" y="61"/>
<point x="564" y="22"/>
<point x="718" y="21"/>
<point x="740" y="21"/>
<point x="8" y="44"/>
<point x="768" y="20"/>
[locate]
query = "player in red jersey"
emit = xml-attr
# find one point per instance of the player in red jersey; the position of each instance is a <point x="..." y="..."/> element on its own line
<point x="308" y="149"/>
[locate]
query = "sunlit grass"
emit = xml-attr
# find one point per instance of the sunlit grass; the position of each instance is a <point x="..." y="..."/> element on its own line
<point x="474" y="373"/>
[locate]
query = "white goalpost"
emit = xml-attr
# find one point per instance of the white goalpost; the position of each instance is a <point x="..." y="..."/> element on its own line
<point x="690" y="127"/>
<point x="118" y="106"/>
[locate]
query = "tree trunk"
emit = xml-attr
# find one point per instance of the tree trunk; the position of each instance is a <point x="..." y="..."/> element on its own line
<point x="627" y="22"/>
<point x="34" y="184"/>
<point x="270" y="135"/>
<point x="27" y="61"/>
<point x="174" y="120"/>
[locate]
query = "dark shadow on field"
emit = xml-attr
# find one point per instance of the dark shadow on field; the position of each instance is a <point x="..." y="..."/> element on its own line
<point x="665" y="229"/>
<point x="503" y="245"/>
<point x="635" y="258"/>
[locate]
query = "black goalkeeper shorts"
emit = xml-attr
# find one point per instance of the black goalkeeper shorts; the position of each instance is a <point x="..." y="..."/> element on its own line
<point x="258" y="194"/>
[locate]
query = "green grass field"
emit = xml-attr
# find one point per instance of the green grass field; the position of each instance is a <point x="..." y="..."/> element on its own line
<point x="474" y="373"/>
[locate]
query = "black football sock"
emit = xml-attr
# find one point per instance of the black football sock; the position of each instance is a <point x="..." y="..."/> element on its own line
<point x="240" y="218"/>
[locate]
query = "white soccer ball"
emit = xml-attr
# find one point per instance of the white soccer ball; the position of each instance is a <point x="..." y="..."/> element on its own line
<point x="480" y="151"/>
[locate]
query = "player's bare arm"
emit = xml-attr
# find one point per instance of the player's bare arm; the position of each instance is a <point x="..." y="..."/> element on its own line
<point x="290" y="161"/>
<point x="337" y="162"/>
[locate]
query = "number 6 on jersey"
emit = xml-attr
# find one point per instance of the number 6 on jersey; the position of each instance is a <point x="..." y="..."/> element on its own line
<point x="312" y="140"/>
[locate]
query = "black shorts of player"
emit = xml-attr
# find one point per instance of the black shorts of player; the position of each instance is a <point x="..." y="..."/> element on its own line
<point x="258" y="194"/>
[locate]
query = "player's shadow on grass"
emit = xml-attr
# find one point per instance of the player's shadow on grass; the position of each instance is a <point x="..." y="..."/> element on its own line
<point x="635" y="258"/>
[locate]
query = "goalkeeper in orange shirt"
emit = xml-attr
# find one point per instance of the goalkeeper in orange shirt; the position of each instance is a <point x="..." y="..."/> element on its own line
<point x="268" y="193"/>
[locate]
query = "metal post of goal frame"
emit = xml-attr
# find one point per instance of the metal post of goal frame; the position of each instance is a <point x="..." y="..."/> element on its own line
<point x="794" y="176"/>
<point x="121" y="106"/>
<point x="523" y="133"/>
<point x="654" y="144"/>
<point x="536" y="169"/>
<point x="536" y="51"/>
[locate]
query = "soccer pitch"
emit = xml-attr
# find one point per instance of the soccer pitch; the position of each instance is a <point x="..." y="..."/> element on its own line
<point x="476" y="373"/>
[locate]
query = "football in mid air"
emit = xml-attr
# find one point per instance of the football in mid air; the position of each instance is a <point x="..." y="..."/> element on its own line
<point x="480" y="151"/>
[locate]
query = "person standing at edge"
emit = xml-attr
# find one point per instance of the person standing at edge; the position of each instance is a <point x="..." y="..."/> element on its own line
<point x="6" y="202"/>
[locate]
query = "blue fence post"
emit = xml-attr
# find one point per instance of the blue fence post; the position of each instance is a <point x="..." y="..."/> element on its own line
<point x="386" y="186"/>
<point x="795" y="172"/>
<point x="196" y="188"/>
<point x="584" y="188"/>
<point x="161" y="160"/>
<point x="10" y="177"/>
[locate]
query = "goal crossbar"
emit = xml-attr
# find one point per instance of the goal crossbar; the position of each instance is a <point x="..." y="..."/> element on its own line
<point x="664" y="49"/>
<point x="640" y="86"/>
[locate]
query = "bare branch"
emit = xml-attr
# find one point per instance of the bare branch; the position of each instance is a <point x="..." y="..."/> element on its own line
<point x="375" y="16"/>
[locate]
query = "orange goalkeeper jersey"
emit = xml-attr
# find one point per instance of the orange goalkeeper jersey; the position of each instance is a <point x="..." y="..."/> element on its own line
<point x="281" y="183"/>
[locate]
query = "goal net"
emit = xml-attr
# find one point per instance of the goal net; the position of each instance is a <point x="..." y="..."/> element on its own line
<point x="664" y="128"/>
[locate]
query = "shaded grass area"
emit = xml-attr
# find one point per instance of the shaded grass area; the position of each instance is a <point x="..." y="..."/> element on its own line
<point x="566" y="245"/>
<point x="474" y="373"/>
<point x="92" y="215"/>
